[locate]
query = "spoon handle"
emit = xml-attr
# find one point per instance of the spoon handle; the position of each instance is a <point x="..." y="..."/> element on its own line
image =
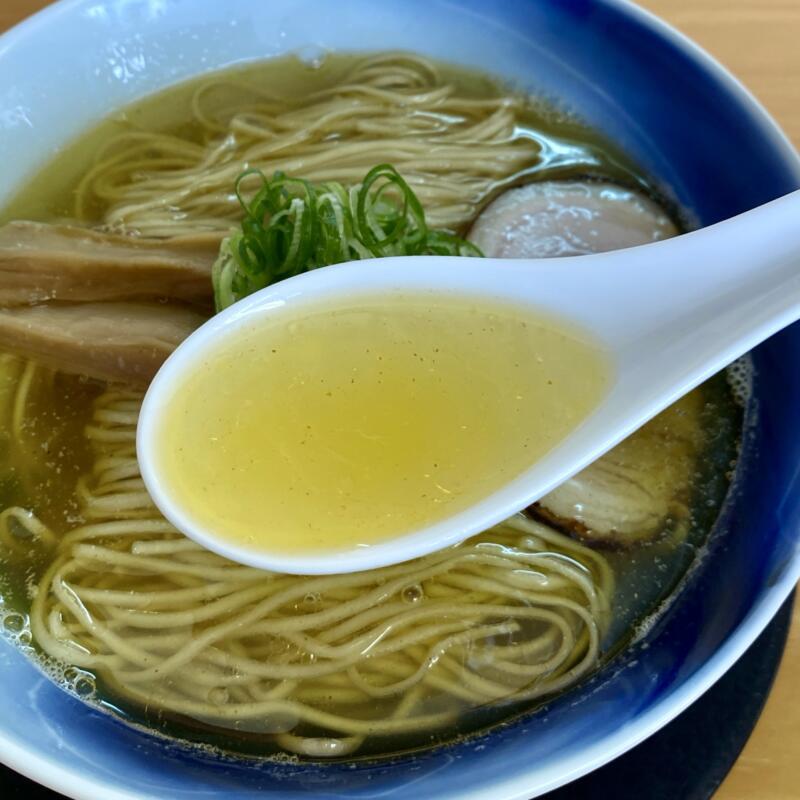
<point x="720" y="291"/>
<point x="677" y="311"/>
<point x="714" y="295"/>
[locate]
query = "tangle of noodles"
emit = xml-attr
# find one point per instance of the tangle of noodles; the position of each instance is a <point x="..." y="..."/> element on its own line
<point x="453" y="149"/>
<point x="319" y="662"/>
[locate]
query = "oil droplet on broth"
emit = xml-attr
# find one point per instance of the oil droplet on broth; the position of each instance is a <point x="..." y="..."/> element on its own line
<point x="349" y="425"/>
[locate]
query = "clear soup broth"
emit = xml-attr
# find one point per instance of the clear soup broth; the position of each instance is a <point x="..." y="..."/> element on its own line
<point x="351" y="423"/>
<point x="126" y="613"/>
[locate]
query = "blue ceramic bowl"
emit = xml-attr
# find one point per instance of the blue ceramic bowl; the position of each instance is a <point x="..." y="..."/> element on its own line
<point x="686" y="121"/>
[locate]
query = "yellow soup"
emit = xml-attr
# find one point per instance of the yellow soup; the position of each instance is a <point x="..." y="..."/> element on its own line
<point x="342" y="426"/>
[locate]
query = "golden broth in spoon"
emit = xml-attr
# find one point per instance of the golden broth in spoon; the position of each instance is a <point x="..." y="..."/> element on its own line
<point x="344" y="426"/>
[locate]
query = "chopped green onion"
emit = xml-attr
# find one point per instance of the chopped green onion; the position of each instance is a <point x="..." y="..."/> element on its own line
<point x="291" y="226"/>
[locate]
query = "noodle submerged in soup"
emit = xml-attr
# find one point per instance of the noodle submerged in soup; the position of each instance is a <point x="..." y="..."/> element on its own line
<point x="128" y="614"/>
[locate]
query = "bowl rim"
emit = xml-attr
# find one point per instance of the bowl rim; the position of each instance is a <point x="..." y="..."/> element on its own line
<point x="70" y="781"/>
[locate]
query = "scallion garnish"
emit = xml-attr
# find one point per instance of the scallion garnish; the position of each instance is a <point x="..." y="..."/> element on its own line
<point x="291" y="226"/>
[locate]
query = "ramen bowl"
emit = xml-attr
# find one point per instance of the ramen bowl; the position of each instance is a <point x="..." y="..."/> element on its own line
<point x="687" y="123"/>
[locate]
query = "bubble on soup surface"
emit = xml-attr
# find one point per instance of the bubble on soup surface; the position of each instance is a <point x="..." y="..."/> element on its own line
<point x="740" y="379"/>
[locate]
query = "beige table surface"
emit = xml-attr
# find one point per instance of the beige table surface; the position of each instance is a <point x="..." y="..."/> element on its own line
<point x="759" y="40"/>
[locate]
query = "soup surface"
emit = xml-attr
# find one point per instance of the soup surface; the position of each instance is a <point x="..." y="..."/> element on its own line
<point x="349" y="424"/>
<point x="124" y="612"/>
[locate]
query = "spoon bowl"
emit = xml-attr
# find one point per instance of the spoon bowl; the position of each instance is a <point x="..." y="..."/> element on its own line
<point x="670" y="314"/>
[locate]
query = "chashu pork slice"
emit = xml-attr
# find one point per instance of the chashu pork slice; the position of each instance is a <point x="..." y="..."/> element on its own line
<point x="568" y="218"/>
<point x="121" y="342"/>
<point x="41" y="262"/>
<point x="640" y="488"/>
<point x="637" y="490"/>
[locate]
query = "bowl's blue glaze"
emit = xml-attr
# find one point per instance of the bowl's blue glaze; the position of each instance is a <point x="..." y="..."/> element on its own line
<point x="692" y="127"/>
